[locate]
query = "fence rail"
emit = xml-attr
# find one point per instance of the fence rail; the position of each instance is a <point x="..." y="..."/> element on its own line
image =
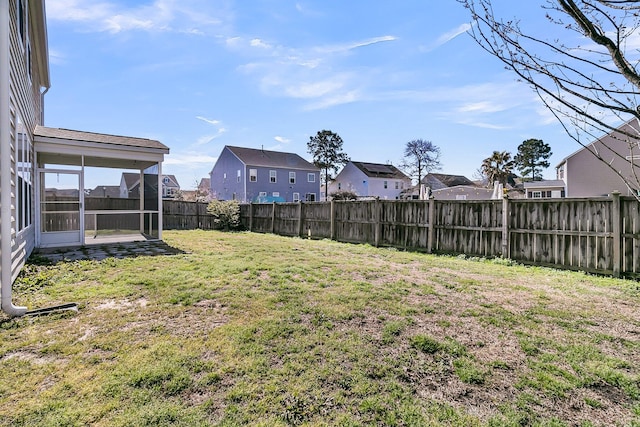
<point x="599" y="235"/>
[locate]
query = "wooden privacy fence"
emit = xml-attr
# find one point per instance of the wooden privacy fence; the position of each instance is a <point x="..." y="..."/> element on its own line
<point x="599" y="235"/>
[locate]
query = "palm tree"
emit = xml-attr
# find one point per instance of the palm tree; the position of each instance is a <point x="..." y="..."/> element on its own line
<point x="498" y="167"/>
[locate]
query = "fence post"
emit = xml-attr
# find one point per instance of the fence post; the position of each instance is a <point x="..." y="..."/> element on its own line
<point x="332" y="218"/>
<point x="198" y="214"/>
<point x="273" y="219"/>
<point x="617" y="233"/>
<point x="432" y="229"/>
<point x="300" y="223"/>
<point x="377" y="224"/>
<point x="250" y="216"/>
<point x="505" y="227"/>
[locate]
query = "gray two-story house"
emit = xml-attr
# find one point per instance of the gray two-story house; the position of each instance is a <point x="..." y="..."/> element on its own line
<point x="256" y="175"/>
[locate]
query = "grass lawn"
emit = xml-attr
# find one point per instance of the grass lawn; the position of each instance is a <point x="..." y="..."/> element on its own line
<point x="252" y="329"/>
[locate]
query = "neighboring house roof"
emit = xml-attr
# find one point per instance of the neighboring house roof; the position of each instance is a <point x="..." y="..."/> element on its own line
<point x="437" y="181"/>
<point x="101" y="138"/>
<point x="205" y="184"/>
<point x="592" y="144"/>
<point x="131" y="180"/>
<point x="274" y="159"/>
<point x="377" y="170"/>
<point x="170" y="181"/>
<point x="544" y="184"/>
<point x="109" y="191"/>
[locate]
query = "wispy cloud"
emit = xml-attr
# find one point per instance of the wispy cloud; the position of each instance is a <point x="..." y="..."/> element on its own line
<point x="57" y="57"/>
<point x="315" y="73"/>
<point x="205" y="139"/>
<point x="345" y="47"/>
<point x="447" y="37"/>
<point x="450" y="35"/>
<point x="282" y="139"/>
<point x="210" y="121"/>
<point x="159" y="15"/>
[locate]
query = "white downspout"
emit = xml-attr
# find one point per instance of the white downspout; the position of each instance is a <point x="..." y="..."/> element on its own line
<point x="5" y="170"/>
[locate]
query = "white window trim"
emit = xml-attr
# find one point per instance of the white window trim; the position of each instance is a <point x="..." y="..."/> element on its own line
<point x="311" y="177"/>
<point x="273" y="176"/>
<point x="292" y="177"/>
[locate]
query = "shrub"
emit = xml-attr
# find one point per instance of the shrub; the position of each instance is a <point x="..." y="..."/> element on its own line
<point x="226" y="214"/>
<point x="344" y="195"/>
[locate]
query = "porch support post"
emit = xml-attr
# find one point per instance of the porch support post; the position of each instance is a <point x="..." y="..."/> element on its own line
<point x="160" y="200"/>
<point x="141" y="200"/>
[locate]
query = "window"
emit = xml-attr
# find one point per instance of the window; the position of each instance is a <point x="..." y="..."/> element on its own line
<point x="310" y="197"/>
<point x="386" y="184"/>
<point x="165" y="180"/>
<point x="273" y="176"/>
<point x="262" y="194"/>
<point x="296" y="197"/>
<point x="29" y="60"/>
<point x="239" y="179"/>
<point x="397" y="185"/>
<point x="253" y="175"/>
<point x="24" y="175"/>
<point x="22" y="20"/>
<point x="461" y="197"/>
<point x="339" y="186"/>
<point x="311" y="177"/>
<point x="292" y="177"/>
<point x="276" y="194"/>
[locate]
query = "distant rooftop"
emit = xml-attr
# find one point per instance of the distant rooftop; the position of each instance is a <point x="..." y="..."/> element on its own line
<point x="377" y="170"/>
<point x="266" y="158"/>
<point x="101" y="138"/>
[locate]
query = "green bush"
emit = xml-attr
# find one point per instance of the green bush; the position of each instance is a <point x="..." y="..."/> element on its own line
<point x="344" y="195"/>
<point x="226" y="214"/>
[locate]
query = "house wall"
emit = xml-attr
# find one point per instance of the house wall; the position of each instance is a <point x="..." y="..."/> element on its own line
<point x="462" y="193"/>
<point x="224" y="181"/>
<point x="376" y="188"/>
<point x="282" y="187"/>
<point x="351" y="178"/>
<point x="23" y="103"/>
<point x="586" y="176"/>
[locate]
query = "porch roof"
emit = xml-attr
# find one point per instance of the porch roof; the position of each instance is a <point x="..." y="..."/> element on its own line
<point x="64" y="146"/>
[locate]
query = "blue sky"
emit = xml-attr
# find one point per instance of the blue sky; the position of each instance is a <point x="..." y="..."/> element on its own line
<point x="201" y="74"/>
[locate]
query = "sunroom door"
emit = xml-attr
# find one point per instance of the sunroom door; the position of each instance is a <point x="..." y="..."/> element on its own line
<point x="61" y="216"/>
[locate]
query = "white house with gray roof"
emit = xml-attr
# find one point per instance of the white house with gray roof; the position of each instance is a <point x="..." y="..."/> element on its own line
<point x="371" y="180"/>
